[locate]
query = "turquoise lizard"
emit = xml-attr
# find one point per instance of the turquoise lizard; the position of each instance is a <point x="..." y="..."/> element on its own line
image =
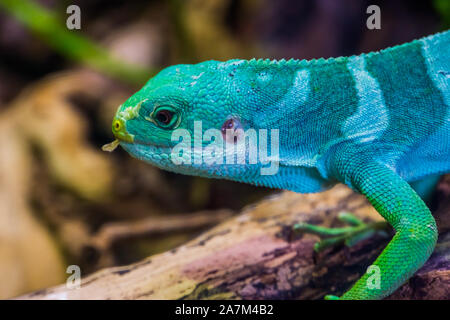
<point x="377" y="122"/>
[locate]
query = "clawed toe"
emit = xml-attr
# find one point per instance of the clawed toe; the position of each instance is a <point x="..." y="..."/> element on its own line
<point x="356" y="232"/>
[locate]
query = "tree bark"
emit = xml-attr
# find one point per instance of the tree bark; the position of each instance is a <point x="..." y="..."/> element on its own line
<point x="255" y="255"/>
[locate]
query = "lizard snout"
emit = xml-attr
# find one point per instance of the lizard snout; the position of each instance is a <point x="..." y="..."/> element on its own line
<point x="120" y="131"/>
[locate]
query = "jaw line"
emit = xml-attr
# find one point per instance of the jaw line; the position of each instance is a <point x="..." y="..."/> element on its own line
<point x="134" y="145"/>
<point x="144" y="152"/>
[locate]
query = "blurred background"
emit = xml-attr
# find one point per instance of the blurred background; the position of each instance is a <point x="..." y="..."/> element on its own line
<point x="65" y="202"/>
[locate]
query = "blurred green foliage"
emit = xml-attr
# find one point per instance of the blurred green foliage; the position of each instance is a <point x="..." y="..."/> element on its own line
<point x="443" y="8"/>
<point x="71" y="44"/>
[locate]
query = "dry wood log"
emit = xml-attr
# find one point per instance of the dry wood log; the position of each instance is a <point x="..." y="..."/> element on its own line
<point x="114" y="231"/>
<point x="254" y="255"/>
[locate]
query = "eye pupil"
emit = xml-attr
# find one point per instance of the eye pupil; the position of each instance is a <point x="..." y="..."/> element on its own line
<point x="164" y="116"/>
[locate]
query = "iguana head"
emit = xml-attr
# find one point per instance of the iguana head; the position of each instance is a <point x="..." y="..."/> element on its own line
<point x="181" y="112"/>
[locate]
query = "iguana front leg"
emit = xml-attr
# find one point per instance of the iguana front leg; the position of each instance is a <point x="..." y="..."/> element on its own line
<point x="416" y="231"/>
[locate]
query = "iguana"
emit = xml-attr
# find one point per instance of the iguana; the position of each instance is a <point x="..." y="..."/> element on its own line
<point x="377" y="122"/>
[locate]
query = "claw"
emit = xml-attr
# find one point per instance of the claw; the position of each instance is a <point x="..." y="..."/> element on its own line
<point x="327" y="243"/>
<point x="349" y="236"/>
<point x="321" y="231"/>
<point x="350" y="219"/>
<point x="358" y="237"/>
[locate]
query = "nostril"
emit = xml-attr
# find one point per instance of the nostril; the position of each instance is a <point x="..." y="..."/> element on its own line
<point x="116" y="125"/>
<point x="120" y="132"/>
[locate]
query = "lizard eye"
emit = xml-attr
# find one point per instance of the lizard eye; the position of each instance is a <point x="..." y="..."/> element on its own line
<point x="231" y="130"/>
<point x="164" y="117"/>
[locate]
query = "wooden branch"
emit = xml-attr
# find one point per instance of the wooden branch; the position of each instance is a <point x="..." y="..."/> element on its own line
<point x="256" y="256"/>
<point x="114" y="231"/>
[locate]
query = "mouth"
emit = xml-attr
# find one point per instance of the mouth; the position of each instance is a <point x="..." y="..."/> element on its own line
<point x="110" y="147"/>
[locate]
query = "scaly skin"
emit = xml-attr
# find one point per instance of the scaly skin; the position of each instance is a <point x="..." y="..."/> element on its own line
<point x="377" y="122"/>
